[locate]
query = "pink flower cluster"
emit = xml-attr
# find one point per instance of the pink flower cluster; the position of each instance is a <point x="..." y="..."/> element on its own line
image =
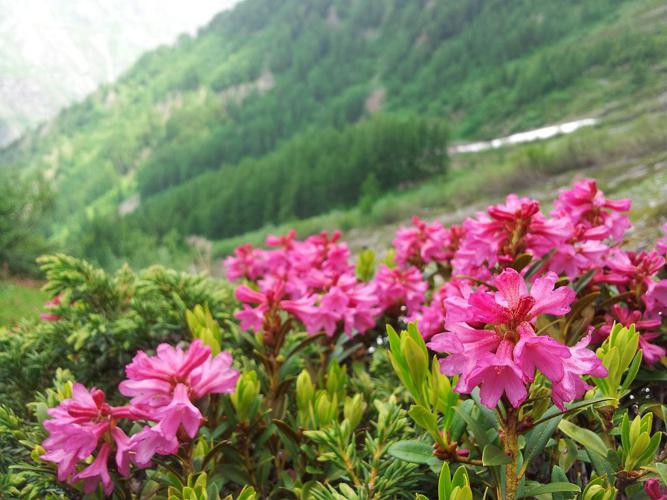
<point x="460" y="287"/>
<point x="163" y="389"/>
<point x="313" y="280"/>
<point x="424" y="243"/>
<point x="582" y="234"/>
<point x="491" y="341"/>
<point x="83" y="425"/>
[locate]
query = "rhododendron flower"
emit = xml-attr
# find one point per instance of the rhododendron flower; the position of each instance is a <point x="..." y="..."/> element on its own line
<point x="586" y="206"/>
<point x="580" y="253"/>
<point x="492" y="343"/>
<point x="497" y="374"/>
<point x="267" y="302"/>
<point x="646" y="326"/>
<point x="423" y="243"/>
<point x="152" y="441"/>
<point x="654" y="490"/>
<point x="513" y="305"/>
<point x="77" y="427"/>
<point x="97" y="472"/>
<point x="506" y="231"/>
<point x="633" y="269"/>
<point x="51" y="304"/>
<point x="431" y="318"/>
<point x="312" y="280"/>
<point x="582" y="361"/>
<point x="162" y="387"/>
<point x="396" y="286"/>
<point x="348" y="304"/>
<point x="247" y="262"/>
<point x="655" y="297"/>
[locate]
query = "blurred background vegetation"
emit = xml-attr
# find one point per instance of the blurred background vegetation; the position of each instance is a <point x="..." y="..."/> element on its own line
<point x="337" y="113"/>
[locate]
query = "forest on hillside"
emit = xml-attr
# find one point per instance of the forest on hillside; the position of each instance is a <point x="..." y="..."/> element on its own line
<point x="188" y="140"/>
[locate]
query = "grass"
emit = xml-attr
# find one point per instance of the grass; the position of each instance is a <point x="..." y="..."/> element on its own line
<point x="20" y="300"/>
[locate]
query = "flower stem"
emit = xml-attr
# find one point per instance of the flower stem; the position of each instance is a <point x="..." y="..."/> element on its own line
<point x="511" y="449"/>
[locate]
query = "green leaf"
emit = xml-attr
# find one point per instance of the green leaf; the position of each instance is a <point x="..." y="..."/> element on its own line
<point x="662" y="471"/>
<point x="602" y="465"/>
<point x="558" y="475"/>
<point x="444" y="482"/>
<point x="632" y="371"/>
<point x="532" y="489"/>
<point x="537" y="265"/>
<point x="474" y="427"/>
<point x="538" y="436"/>
<point x="521" y="261"/>
<point x="585" y="437"/>
<point x="426" y="420"/>
<point x="649" y="451"/>
<point x="492" y="455"/>
<point x="416" y="452"/>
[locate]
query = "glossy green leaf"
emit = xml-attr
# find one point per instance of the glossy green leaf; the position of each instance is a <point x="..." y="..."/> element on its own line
<point x="417" y="452"/>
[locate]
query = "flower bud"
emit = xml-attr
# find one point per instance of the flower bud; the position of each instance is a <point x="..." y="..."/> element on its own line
<point x="246" y="397"/>
<point x="353" y="410"/>
<point x="304" y="391"/>
<point x="336" y="379"/>
<point x="325" y="408"/>
<point x="416" y="360"/>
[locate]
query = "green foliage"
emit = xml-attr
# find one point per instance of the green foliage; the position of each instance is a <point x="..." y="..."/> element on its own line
<point x="310" y="174"/>
<point x="199" y="128"/>
<point x="23" y="206"/>
<point x="104" y="319"/>
<point x="619" y="355"/>
<point x="312" y="417"/>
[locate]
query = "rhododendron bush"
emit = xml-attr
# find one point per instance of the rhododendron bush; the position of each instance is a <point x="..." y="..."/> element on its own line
<point x="519" y="354"/>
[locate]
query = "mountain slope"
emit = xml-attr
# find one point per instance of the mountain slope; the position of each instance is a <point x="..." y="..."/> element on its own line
<point x="53" y="51"/>
<point x="270" y="77"/>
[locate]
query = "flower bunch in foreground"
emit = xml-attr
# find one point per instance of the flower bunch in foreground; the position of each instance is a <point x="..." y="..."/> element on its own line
<point x="164" y="389"/>
<point x="491" y="341"/>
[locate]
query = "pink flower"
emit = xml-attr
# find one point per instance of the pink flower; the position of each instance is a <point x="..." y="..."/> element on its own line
<point x="583" y="251"/>
<point x="424" y="243"/>
<point x="506" y="231"/>
<point x="587" y="206"/>
<point x="348" y="305"/>
<point x="651" y="353"/>
<point x="633" y="269"/>
<point x="655" y="297"/>
<point x="492" y="343"/>
<point x="512" y="305"/>
<point x="247" y="262"/>
<point x="581" y="362"/>
<point x="97" y="472"/>
<point x="397" y="287"/>
<point x="542" y="353"/>
<point x="77" y="427"/>
<point x="162" y="387"/>
<point x="431" y="318"/>
<point x="152" y="441"/>
<point x="267" y="301"/>
<point x="654" y="490"/>
<point x="51" y="304"/>
<point x="645" y="325"/>
<point x="497" y="374"/>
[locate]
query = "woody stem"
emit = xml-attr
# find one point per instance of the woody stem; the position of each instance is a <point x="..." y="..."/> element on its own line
<point x="511" y="450"/>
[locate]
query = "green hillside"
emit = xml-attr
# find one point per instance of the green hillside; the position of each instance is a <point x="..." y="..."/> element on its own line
<point x="284" y="110"/>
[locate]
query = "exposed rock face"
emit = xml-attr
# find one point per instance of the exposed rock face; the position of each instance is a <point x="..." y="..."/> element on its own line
<point x="53" y="52"/>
